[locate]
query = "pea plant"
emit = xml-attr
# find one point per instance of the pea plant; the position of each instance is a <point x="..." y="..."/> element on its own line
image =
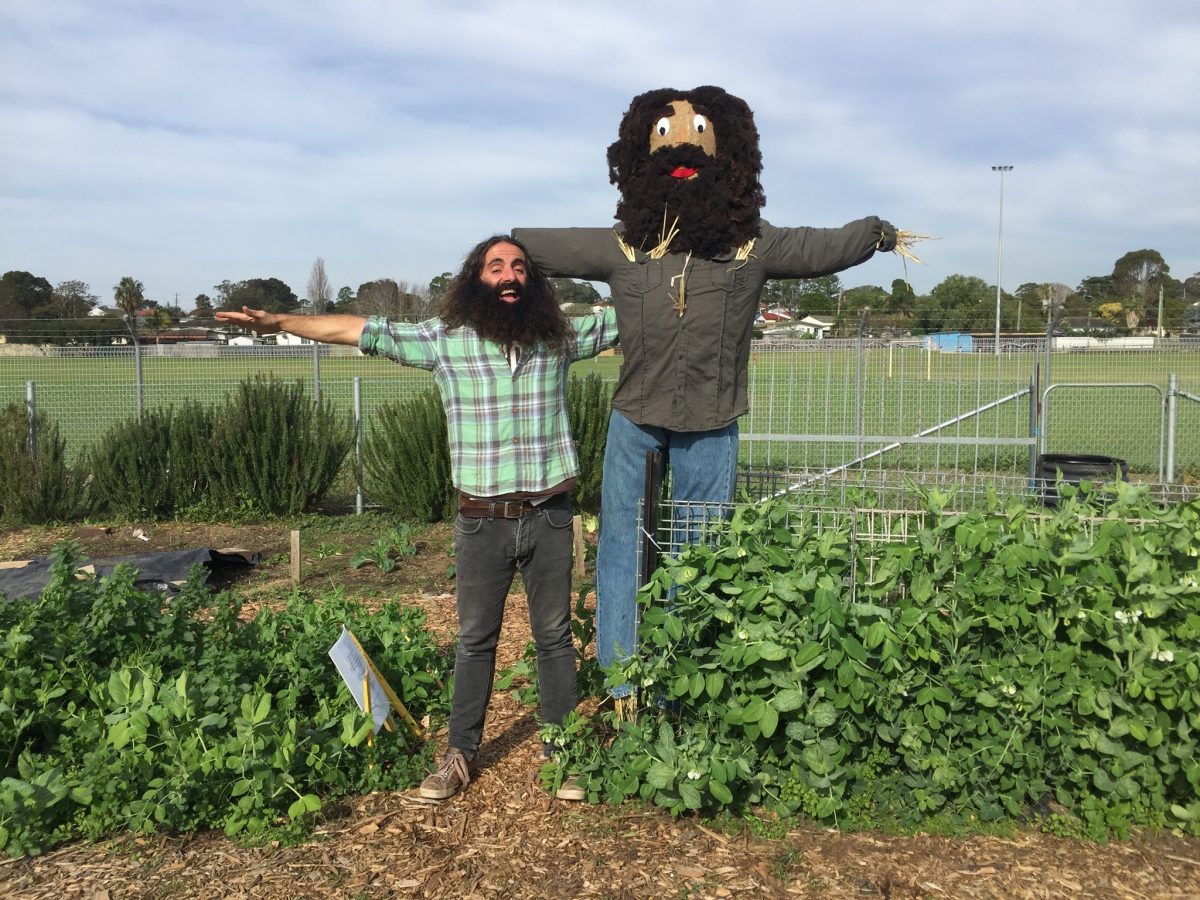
<point x="119" y="711"/>
<point x="1000" y="661"/>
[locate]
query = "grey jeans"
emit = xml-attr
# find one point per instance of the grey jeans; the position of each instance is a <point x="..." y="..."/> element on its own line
<point x="487" y="554"/>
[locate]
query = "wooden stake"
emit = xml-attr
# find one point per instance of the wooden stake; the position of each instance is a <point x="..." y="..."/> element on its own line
<point x="577" y="528"/>
<point x="295" y="557"/>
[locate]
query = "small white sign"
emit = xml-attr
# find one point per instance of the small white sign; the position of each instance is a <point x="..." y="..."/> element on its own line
<point x="359" y="676"/>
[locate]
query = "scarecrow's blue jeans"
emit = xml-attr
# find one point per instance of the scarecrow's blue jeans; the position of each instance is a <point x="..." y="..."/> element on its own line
<point x="703" y="466"/>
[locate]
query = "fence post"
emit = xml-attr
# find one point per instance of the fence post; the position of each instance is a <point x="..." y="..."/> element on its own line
<point x="31" y="413"/>
<point x="131" y="324"/>
<point x="858" y="389"/>
<point x="1172" y="391"/>
<point x="1033" y="422"/>
<point x="650" y="515"/>
<point x="316" y="372"/>
<point x="358" y="489"/>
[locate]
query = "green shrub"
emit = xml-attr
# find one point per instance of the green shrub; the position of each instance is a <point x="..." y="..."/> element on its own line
<point x="121" y="711"/>
<point x="130" y="465"/>
<point x="589" y="402"/>
<point x="406" y="459"/>
<point x="36" y="487"/>
<point x="274" y="450"/>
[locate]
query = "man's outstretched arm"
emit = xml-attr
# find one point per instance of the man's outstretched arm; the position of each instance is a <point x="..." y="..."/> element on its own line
<point x="328" y="329"/>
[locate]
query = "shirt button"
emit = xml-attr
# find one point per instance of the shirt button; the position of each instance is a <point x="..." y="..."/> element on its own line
<point x="516" y="440"/>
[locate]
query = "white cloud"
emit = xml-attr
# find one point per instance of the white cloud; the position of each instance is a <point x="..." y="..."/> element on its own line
<point x="186" y="143"/>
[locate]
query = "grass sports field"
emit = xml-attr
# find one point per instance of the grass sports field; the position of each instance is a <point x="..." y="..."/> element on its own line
<point x="835" y="404"/>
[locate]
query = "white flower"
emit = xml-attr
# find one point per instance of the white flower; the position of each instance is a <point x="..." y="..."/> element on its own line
<point x="1010" y="689"/>
<point x="1120" y="616"/>
<point x="1081" y="614"/>
<point x="1163" y="656"/>
<point x="742" y="635"/>
<point x="693" y="775"/>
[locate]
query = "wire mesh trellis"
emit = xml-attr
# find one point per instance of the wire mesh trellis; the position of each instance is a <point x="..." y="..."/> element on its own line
<point x="867" y="529"/>
<point x="872" y="508"/>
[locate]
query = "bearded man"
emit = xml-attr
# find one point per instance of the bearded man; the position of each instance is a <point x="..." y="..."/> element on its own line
<point x="499" y="351"/>
<point x="686" y="267"/>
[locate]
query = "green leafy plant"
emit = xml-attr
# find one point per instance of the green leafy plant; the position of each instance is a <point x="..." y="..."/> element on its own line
<point x="386" y="552"/>
<point x="998" y="657"/>
<point x="154" y="466"/>
<point x="589" y="403"/>
<point x="36" y="483"/>
<point x="275" y="449"/>
<point x="406" y="459"/>
<point x="121" y="712"/>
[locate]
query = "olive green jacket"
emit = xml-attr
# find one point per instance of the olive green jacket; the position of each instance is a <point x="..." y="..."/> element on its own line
<point x="685" y="362"/>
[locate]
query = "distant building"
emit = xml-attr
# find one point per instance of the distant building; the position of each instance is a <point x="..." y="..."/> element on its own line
<point x="815" y="325"/>
<point x="950" y="342"/>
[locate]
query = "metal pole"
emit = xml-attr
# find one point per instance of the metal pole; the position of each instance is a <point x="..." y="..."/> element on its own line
<point x="1172" y="389"/>
<point x="131" y="324"/>
<point x="1033" y="423"/>
<point x="316" y="372"/>
<point x="31" y="412"/>
<point x="358" y="430"/>
<point x="858" y="389"/>
<point x="652" y="492"/>
<point x="1000" y="250"/>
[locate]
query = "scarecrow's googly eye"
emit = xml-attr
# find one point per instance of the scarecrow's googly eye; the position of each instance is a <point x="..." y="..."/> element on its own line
<point x="700" y="123"/>
<point x="662" y="126"/>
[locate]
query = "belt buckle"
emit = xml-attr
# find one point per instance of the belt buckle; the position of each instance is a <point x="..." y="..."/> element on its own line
<point x="513" y="509"/>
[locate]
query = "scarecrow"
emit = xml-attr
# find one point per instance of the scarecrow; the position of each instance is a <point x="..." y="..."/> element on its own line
<point x="686" y="266"/>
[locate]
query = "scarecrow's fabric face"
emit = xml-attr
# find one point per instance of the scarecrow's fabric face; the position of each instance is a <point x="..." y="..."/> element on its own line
<point x="683" y="124"/>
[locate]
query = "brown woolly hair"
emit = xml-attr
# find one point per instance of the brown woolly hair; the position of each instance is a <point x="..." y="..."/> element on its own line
<point x="718" y="211"/>
<point x="535" y="318"/>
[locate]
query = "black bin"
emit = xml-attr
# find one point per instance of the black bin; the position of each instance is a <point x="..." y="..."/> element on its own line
<point x="1076" y="467"/>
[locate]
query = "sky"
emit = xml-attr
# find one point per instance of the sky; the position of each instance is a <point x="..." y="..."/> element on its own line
<point x="184" y="143"/>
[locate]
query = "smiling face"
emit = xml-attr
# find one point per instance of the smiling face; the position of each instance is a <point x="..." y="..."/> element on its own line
<point x="681" y="123"/>
<point x="504" y="272"/>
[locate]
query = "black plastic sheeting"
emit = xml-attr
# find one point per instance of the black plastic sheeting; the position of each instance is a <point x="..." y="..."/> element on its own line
<point x="165" y="572"/>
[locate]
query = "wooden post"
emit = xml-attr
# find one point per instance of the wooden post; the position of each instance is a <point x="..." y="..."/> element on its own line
<point x="295" y="557"/>
<point x="577" y="528"/>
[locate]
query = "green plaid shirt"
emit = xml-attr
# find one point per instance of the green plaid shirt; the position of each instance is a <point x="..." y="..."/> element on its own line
<point x="509" y="430"/>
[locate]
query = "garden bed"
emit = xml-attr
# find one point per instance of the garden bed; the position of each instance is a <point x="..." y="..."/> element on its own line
<point x="504" y="835"/>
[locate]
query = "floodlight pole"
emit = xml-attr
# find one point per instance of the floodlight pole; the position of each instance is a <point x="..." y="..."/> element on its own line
<point x="1000" y="250"/>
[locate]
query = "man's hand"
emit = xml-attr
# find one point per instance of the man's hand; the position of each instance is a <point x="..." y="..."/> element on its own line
<point x="257" y="320"/>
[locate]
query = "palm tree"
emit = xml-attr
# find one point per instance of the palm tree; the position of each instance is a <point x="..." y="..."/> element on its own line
<point x="128" y="295"/>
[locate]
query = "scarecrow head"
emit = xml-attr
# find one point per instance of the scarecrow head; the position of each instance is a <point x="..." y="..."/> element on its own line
<point x="688" y="161"/>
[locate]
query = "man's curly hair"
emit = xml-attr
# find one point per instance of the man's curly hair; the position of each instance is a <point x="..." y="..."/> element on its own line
<point x="716" y="212"/>
<point x="535" y="318"/>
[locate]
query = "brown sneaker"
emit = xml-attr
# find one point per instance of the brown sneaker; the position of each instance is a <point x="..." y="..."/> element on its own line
<point x="570" y="789"/>
<point x="450" y="777"/>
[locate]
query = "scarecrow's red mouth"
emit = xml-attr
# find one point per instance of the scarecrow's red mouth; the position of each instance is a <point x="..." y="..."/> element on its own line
<point x="683" y="172"/>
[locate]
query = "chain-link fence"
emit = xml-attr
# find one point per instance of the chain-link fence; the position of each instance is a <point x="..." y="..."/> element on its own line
<point x="942" y="404"/>
<point x="947" y="403"/>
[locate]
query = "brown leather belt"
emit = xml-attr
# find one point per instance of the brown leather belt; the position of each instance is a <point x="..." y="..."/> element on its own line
<point x="494" y="509"/>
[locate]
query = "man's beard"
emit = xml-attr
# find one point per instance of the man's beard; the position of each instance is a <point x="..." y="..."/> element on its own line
<point x="711" y="212"/>
<point x="521" y="322"/>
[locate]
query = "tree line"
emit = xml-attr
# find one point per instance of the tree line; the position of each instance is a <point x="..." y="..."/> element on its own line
<point x="1126" y="300"/>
